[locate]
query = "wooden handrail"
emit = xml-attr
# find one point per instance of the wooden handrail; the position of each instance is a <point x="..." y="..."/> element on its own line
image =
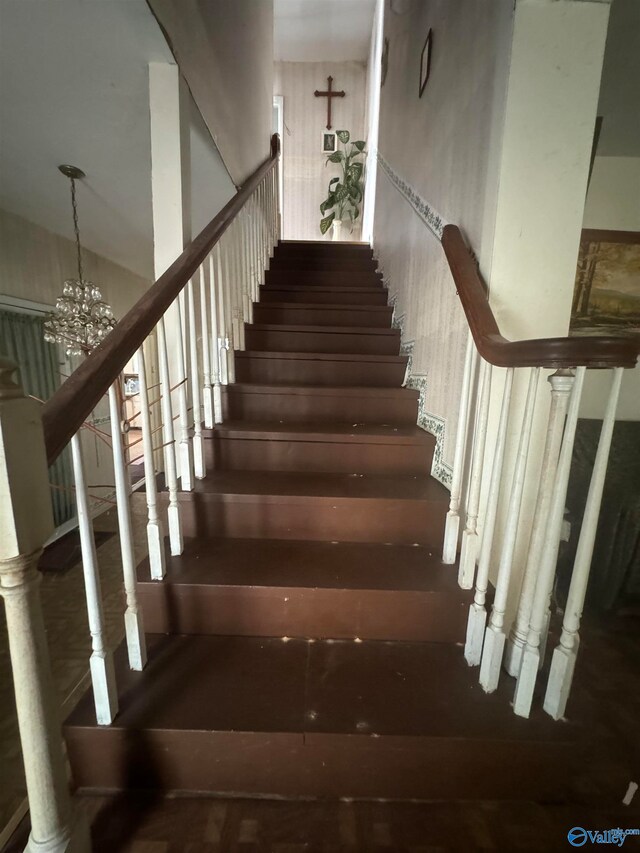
<point x="64" y="413"/>
<point x="554" y="353"/>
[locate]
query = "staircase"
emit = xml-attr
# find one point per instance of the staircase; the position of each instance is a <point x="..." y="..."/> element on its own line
<point x="307" y="641"/>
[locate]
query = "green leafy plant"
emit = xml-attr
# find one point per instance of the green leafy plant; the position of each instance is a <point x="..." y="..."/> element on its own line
<point x="345" y="191"/>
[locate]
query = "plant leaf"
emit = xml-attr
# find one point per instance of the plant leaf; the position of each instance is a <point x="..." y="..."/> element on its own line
<point x="343" y="136"/>
<point x="360" y="145"/>
<point x="333" y="181"/>
<point x="341" y="192"/>
<point x="325" y="223"/>
<point x="336" y="157"/>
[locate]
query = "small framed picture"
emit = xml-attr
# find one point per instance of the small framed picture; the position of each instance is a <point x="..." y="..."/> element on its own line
<point x="328" y="142"/>
<point x="425" y="62"/>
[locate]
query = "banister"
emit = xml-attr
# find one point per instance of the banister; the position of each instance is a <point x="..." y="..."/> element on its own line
<point x="64" y="413"/>
<point x="554" y="353"/>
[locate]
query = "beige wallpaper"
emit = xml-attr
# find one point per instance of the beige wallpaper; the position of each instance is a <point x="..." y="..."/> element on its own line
<point x="305" y="176"/>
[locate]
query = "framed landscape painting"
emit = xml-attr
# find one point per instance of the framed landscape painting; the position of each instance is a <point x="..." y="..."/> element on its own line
<point x="606" y="297"/>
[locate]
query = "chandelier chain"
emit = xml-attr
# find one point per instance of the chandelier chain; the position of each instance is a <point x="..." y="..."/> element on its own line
<point x="76" y="228"/>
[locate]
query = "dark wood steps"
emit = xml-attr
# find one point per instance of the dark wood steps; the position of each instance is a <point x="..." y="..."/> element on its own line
<point x="330" y="264"/>
<point x="292" y="313"/>
<point x="318" y="507"/>
<point x="272" y="588"/>
<point x="323" y="278"/>
<point x="320" y="369"/>
<point x="303" y="403"/>
<point x="344" y="339"/>
<point x="320" y="719"/>
<point x="323" y="295"/>
<point x="333" y="448"/>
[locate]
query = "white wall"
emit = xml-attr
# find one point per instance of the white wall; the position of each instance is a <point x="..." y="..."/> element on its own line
<point x="613" y="203"/>
<point x="306" y="177"/>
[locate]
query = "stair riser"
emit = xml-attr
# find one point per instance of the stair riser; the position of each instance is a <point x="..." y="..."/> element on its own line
<point x="377" y="374"/>
<point x="318" y="408"/>
<point x="268" y="611"/>
<point x="319" y="765"/>
<point x="276" y="340"/>
<point x="321" y="519"/>
<point x="315" y="296"/>
<point x="325" y="250"/>
<point x="376" y="317"/>
<point x="233" y="454"/>
<point x="311" y="278"/>
<point x="301" y="262"/>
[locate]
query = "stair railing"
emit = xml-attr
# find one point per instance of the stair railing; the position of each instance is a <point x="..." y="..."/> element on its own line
<point x="489" y="643"/>
<point x="210" y="290"/>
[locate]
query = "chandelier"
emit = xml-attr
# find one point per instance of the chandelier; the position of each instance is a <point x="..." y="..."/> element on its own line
<point x="81" y="319"/>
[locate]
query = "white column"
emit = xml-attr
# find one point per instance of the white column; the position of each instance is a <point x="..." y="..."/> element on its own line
<point x="544" y="580"/>
<point x="168" y="438"/>
<point x="477" y="612"/>
<point x="155" y="532"/>
<point x="470" y="539"/>
<point x="494" y="636"/>
<point x="564" y="656"/>
<point x="103" y="678"/>
<point x="134" y="629"/>
<point x="561" y="382"/>
<point x="27" y="522"/>
<point x="194" y="370"/>
<point x="452" y="527"/>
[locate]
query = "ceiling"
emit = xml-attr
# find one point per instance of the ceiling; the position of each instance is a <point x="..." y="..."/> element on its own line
<point x="322" y="30"/>
<point x="74" y="89"/>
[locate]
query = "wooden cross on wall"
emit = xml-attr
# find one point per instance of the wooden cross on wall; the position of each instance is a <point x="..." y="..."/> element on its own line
<point x="328" y="95"/>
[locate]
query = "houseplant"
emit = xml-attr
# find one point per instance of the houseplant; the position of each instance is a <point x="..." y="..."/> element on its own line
<point x="345" y="192"/>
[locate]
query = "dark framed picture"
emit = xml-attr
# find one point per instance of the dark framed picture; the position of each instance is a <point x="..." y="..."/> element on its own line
<point x="606" y="297"/>
<point x="328" y="142"/>
<point x="425" y="61"/>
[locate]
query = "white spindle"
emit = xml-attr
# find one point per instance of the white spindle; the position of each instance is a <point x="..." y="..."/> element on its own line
<point x="183" y="446"/>
<point x="103" y="677"/>
<point x="207" y="390"/>
<point x="168" y="438"/>
<point x="194" y="369"/>
<point x="255" y="248"/>
<point x="546" y="571"/>
<point x="452" y="528"/>
<point x="494" y="635"/>
<point x="226" y="287"/>
<point x="557" y="412"/>
<point x="155" y="532"/>
<point x="248" y="269"/>
<point x="470" y="538"/>
<point x="477" y="611"/>
<point x="216" y="308"/>
<point x="134" y="629"/>
<point x="564" y="656"/>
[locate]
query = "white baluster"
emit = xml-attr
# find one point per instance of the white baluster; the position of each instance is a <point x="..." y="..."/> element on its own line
<point x="557" y="412"/>
<point x="477" y="612"/>
<point x="194" y="369"/>
<point x="207" y="390"/>
<point x="168" y="439"/>
<point x="564" y="656"/>
<point x="248" y="268"/>
<point x="183" y="446"/>
<point x="134" y="629"/>
<point x="27" y="522"/>
<point x="103" y="679"/>
<point x="155" y="531"/>
<point x="227" y="290"/>
<point x="239" y="282"/>
<point x="216" y="308"/>
<point x="544" y="581"/>
<point x="263" y="226"/>
<point x="255" y="247"/>
<point x="470" y="539"/>
<point x="494" y="638"/>
<point x="278" y="210"/>
<point x="451" y="531"/>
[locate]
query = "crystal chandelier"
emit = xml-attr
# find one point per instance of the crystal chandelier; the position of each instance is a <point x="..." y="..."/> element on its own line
<point x="81" y="319"/>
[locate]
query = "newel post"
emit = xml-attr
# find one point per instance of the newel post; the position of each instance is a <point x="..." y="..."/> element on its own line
<point x="26" y="522"/>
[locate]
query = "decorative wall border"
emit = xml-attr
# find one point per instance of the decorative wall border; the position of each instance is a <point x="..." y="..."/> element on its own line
<point x="429" y="215"/>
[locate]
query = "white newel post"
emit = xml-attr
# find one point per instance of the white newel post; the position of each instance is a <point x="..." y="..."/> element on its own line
<point x="494" y="638"/>
<point x="470" y="539"/>
<point x="560" y="382"/>
<point x="564" y="655"/>
<point x="544" y="581"/>
<point x="26" y="522"/>
<point x="452" y="527"/>
<point x="477" y="621"/>
<point x="134" y="629"/>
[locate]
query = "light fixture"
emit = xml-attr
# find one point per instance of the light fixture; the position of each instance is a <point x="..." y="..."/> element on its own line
<point x="81" y="319"/>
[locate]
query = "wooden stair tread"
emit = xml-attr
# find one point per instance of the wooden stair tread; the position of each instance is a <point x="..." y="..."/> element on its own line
<point x="336" y="432"/>
<point x="325" y="390"/>
<point x="342" y="330"/>
<point x="366" y="358"/>
<point x="326" y="306"/>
